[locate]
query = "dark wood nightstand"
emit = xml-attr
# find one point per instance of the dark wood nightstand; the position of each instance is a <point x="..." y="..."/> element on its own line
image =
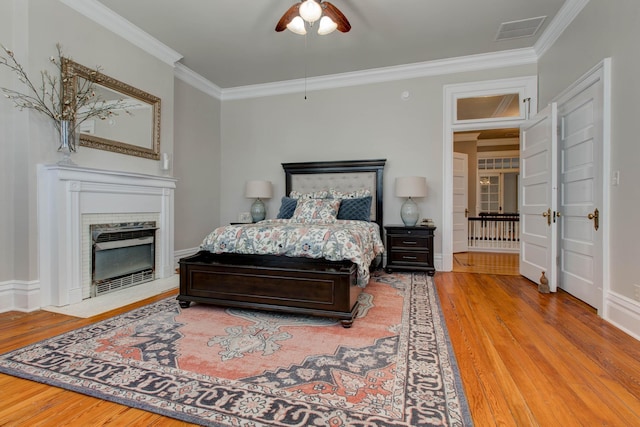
<point x="410" y="248"/>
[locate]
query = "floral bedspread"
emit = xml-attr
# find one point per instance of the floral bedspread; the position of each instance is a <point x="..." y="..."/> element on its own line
<point x="356" y="241"/>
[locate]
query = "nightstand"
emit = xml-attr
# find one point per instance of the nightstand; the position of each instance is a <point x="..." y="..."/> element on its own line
<point x="410" y="248"/>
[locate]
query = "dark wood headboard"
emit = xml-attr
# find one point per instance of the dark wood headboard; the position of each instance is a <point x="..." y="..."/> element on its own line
<point x="343" y="169"/>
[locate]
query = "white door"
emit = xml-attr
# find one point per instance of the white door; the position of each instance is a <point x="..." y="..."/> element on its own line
<point x="580" y="195"/>
<point x="538" y="172"/>
<point x="460" y="202"/>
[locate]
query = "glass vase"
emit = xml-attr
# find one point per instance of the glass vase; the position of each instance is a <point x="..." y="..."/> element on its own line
<point x="68" y="142"/>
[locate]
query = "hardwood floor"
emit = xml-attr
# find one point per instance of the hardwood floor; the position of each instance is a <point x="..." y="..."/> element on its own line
<point x="526" y="359"/>
<point x="530" y="359"/>
<point x="487" y="262"/>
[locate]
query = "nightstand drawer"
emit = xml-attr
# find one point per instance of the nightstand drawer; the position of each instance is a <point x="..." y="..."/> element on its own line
<point x="409" y="256"/>
<point x="409" y="241"/>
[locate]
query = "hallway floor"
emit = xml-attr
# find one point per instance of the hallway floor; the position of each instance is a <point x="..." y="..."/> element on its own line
<point x="486" y="263"/>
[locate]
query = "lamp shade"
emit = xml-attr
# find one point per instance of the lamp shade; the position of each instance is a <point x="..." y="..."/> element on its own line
<point x="258" y="190"/>
<point x="411" y="186"/>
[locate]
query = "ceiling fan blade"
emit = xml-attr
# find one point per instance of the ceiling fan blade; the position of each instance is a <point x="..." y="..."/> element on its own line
<point x="291" y="13"/>
<point x="338" y="17"/>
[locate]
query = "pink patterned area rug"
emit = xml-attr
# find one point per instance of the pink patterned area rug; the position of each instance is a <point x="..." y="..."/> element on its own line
<point x="230" y="367"/>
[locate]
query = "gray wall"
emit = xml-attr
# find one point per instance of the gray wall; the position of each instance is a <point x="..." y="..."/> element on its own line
<point x="7" y="116"/>
<point x="31" y="28"/>
<point x="196" y="164"/>
<point x="360" y="122"/>
<point x="608" y="29"/>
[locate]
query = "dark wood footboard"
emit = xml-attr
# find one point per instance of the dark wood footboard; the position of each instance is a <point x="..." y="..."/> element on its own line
<point x="276" y="283"/>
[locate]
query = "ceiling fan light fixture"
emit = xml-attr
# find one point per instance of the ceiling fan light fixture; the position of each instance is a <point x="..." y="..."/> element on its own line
<point x="297" y="26"/>
<point x="327" y="26"/>
<point x="310" y="11"/>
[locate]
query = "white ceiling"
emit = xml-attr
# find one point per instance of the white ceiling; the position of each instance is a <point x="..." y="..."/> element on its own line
<point x="232" y="43"/>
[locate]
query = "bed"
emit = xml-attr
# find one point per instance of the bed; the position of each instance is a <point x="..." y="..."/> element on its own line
<point x="300" y="285"/>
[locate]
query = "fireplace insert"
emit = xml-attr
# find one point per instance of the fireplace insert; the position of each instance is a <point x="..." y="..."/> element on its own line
<point x="123" y="255"/>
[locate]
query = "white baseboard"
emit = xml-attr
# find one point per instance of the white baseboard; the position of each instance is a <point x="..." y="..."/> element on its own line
<point x="437" y="262"/>
<point x="623" y="312"/>
<point x="18" y="295"/>
<point x="184" y="253"/>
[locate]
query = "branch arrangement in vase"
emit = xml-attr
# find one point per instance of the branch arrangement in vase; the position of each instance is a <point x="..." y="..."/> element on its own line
<point x="48" y="96"/>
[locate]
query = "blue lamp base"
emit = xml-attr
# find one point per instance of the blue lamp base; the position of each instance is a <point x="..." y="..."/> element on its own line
<point x="409" y="213"/>
<point x="258" y="211"/>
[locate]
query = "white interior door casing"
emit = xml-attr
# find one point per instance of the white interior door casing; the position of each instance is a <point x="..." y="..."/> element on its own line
<point x="460" y="202"/>
<point x="525" y="86"/>
<point x="538" y="173"/>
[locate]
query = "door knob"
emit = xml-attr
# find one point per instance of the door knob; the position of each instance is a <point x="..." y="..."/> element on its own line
<point x="466" y="213"/>
<point x="556" y="214"/>
<point x="547" y="214"/>
<point x="595" y="216"/>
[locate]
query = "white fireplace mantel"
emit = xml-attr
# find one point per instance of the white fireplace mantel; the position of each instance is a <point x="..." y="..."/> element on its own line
<point x="65" y="193"/>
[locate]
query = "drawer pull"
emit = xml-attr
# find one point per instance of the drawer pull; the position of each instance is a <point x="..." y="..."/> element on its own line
<point x="409" y="243"/>
<point x="409" y="257"/>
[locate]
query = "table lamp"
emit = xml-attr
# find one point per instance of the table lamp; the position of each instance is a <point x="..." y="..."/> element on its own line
<point x="258" y="190"/>
<point x="410" y="186"/>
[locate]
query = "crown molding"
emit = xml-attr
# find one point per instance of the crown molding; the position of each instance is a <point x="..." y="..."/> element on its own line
<point x="115" y="23"/>
<point x="567" y="13"/>
<point x="194" y="79"/>
<point x="385" y="74"/>
<point x="104" y="16"/>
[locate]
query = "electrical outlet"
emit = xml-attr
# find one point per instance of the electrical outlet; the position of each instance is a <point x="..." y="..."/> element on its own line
<point x="636" y="292"/>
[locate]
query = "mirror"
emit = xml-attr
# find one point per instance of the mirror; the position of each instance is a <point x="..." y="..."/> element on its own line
<point x="134" y="130"/>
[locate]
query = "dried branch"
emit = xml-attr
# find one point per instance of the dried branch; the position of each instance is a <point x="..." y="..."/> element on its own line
<point x="48" y="97"/>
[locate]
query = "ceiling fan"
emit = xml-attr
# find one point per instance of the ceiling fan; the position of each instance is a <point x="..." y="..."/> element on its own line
<point x="310" y="11"/>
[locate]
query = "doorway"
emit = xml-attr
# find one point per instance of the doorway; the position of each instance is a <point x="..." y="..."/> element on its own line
<point x="517" y="96"/>
<point x="490" y="194"/>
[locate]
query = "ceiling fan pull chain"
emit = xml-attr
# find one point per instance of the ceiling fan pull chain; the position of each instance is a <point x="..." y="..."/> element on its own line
<point x="305" y="66"/>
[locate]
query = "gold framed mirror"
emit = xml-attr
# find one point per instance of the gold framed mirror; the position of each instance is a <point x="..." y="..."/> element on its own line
<point x="133" y="130"/>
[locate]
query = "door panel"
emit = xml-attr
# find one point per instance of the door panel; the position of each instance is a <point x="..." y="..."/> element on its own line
<point x="460" y="202"/>
<point x="580" y="193"/>
<point x="538" y="172"/>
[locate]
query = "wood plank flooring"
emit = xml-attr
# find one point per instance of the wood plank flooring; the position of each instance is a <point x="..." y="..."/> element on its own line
<point x="526" y="359"/>
<point x="487" y="262"/>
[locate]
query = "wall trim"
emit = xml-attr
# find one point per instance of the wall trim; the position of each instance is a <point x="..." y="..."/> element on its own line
<point x="460" y="64"/>
<point x="377" y="75"/>
<point x="190" y="77"/>
<point x="184" y="253"/>
<point x="567" y="13"/>
<point x="19" y="295"/>
<point x="624" y="313"/>
<point x="102" y="15"/>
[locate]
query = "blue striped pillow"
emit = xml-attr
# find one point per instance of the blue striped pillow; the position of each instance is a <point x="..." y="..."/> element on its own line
<point x="287" y="208"/>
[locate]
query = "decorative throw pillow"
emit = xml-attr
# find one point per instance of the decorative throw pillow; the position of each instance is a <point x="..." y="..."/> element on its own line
<point x="322" y="194"/>
<point x="316" y="210"/>
<point x="287" y="208"/>
<point x="357" y="194"/>
<point x="355" y="209"/>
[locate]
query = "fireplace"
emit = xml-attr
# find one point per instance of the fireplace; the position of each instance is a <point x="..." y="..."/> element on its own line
<point x="122" y="255"/>
<point x="70" y="199"/>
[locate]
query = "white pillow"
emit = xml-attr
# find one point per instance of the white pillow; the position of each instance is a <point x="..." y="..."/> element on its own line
<point x="316" y="210"/>
<point x="357" y="194"/>
<point x="322" y="194"/>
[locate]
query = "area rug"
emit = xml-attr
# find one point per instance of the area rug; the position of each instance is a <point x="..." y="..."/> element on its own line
<point x="229" y="367"/>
